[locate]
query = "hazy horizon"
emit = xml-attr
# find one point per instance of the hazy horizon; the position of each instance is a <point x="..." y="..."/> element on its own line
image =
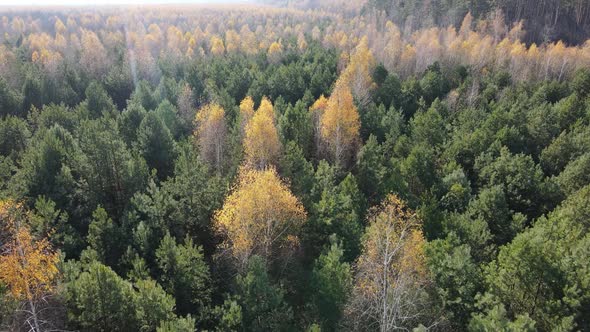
<point x="21" y="3"/>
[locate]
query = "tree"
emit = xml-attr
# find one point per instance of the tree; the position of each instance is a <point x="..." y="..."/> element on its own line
<point x="229" y="314"/>
<point x="429" y="127"/>
<point x="14" y="136"/>
<point x="27" y="266"/>
<point x="98" y="101"/>
<point x="129" y="121"/>
<point x="371" y="170"/>
<point x="167" y="112"/>
<point x="299" y="171"/>
<point x="197" y="196"/>
<point x="340" y="124"/>
<point x="457" y="279"/>
<point x="433" y="84"/>
<point x="211" y="134"/>
<point x="105" y="238"/>
<point x="317" y="112"/>
<point x="542" y="273"/>
<point x="99" y="300"/>
<point x="295" y="125"/>
<point x="51" y="167"/>
<point x="261" y="143"/>
<point x="391" y="278"/>
<point x="186" y="324"/>
<point x="389" y="91"/>
<point x="331" y="283"/>
<point x="112" y="171"/>
<point x="339" y="212"/>
<point x="152" y="305"/>
<point x="581" y="82"/>
<point x="274" y="53"/>
<point x="10" y="100"/>
<point x="184" y="274"/>
<point x="519" y="177"/>
<point x="217" y="47"/>
<point x="419" y="169"/>
<point x="358" y="73"/>
<point x="93" y="57"/>
<point x="32" y="94"/>
<point x="495" y="319"/>
<point x="491" y="206"/>
<point x="156" y="145"/>
<point x="183" y="206"/>
<point x="186" y="103"/>
<point x="576" y="175"/>
<point x="246" y="112"/>
<point x="263" y="304"/>
<point x="119" y="84"/>
<point x="109" y="297"/>
<point x="260" y="217"/>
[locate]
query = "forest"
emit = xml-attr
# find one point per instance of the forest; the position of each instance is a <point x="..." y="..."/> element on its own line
<point x="296" y="166"/>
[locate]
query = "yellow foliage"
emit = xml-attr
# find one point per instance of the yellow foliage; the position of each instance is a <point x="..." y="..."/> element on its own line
<point x="247" y="40"/>
<point x="392" y="265"/>
<point x="232" y="41"/>
<point x="359" y="71"/>
<point x="35" y="56"/>
<point x="210" y="133"/>
<point x="340" y="123"/>
<point x="60" y="27"/>
<point x="93" y="56"/>
<point x="274" y="52"/>
<point x="27" y="266"/>
<point x="408" y="58"/>
<point x="266" y="107"/>
<point x="261" y="142"/>
<point x="217" y="47"/>
<point x="246" y="112"/>
<point x="301" y="43"/>
<point x="466" y="25"/>
<point x="189" y="53"/>
<point x="319" y="105"/>
<point x="260" y="217"/>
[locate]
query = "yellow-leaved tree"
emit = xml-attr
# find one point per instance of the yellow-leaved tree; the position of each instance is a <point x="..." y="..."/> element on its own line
<point x="260" y="217"/>
<point x="275" y="50"/>
<point x="211" y="131"/>
<point x="246" y="112"/>
<point x="262" y="146"/>
<point x="359" y="71"/>
<point x="93" y="56"/>
<point x="232" y="41"/>
<point x="317" y="111"/>
<point x="391" y="271"/>
<point x="217" y="47"/>
<point x="340" y="124"/>
<point x="27" y="265"/>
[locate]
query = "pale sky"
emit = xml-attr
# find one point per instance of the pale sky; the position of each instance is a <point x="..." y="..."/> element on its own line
<point x="5" y="3"/>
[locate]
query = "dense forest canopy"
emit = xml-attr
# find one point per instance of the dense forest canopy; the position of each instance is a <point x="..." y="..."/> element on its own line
<point x="547" y="20"/>
<point x="305" y="166"/>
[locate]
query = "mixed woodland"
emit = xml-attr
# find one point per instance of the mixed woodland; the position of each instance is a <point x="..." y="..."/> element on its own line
<point x="309" y="165"/>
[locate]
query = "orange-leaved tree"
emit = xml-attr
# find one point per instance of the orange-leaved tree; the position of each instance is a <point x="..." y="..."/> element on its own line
<point x="260" y="217"/>
<point x="340" y="123"/>
<point x="27" y="265"/>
